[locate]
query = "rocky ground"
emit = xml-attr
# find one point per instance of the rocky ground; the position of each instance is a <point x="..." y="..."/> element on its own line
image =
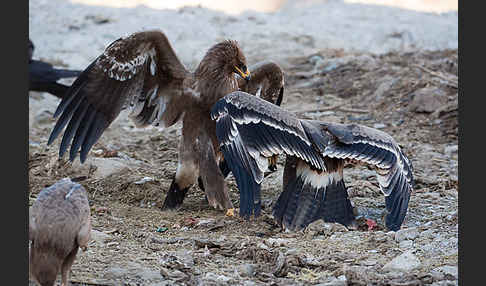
<point x="410" y="93"/>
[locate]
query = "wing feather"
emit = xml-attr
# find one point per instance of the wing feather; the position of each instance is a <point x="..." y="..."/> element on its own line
<point x="376" y="148"/>
<point x="141" y="72"/>
<point x="250" y="130"/>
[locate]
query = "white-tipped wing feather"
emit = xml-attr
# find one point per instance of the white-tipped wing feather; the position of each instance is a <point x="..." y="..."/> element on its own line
<point x="250" y="129"/>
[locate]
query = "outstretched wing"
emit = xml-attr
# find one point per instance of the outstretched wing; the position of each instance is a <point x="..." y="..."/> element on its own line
<point x="267" y="82"/>
<point x="376" y="148"/>
<point x="141" y="71"/>
<point x="249" y="131"/>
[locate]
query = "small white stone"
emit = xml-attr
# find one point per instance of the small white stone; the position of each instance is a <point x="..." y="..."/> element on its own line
<point x="405" y="262"/>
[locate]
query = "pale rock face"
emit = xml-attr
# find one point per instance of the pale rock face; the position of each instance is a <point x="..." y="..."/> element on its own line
<point x="405" y="262"/>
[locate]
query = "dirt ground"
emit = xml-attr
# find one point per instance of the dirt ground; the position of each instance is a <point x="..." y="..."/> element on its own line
<point x="412" y="96"/>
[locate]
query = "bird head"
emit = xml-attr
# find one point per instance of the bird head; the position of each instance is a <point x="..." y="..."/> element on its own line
<point x="227" y="57"/>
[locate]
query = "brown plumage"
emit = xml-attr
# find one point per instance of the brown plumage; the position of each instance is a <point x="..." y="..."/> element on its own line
<point x="251" y="130"/>
<point x="143" y="72"/>
<point x="59" y="223"/>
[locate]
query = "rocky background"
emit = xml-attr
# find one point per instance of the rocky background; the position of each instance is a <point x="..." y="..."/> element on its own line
<point x="389" y="68"/>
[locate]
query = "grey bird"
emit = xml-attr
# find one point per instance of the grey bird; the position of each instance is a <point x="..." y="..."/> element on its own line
<point x="251" y="130"/>
<point x="59" y="224"/>
<point x="142" y="72"/>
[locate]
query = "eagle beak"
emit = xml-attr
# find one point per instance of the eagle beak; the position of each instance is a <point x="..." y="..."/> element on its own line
<point x="245" y="75"/>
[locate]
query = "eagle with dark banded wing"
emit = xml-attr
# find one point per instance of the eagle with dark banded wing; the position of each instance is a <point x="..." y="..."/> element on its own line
<point x="251" y="130"/>
<point x="142" y="72"/>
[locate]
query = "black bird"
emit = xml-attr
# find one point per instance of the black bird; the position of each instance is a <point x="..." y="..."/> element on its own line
<point x="251" y="130"/>
<point x="43" y="76"/>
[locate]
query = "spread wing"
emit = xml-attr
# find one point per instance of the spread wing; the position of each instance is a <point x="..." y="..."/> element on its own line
<point x="141" y="71"/>
<point x="249" y="131"/>
<point x="267" y="82"/>
<point x="378" y="149"/>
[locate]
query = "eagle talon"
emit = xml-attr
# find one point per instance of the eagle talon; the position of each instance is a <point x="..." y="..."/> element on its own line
<point x="230" y="212"/>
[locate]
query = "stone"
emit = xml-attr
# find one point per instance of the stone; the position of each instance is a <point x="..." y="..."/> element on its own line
<point x="406" y="234"/>
<point x="339" y="281"/>
<point x="44" y="116"/>
<point x="218" y="278"/>
<point x="247" y="270"/>
<point x="104" y="167"/>
<point x="379" y="125"/>
<point x="405" y="244"/>
<point x="99" y="237"/>
<point x="450" y="149"/>
<point x="405" y="262"/>
<point x="428" y="100"/>
<point x="449" y="271"/>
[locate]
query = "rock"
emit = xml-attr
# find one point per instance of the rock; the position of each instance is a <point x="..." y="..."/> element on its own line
<point x="247" y="270"/>
<point x="319" y="227"/>
<point x="339" y="281"/>
<point x="44" y="116"/>
<point x="314" y="59"/>
<point x="99" y="237"/>
<point x="379" y="125"/>
<point x="206" y="222"/>
<point x="427" y="100"/>
<point x="405" y="262"/>
<point x="436" y="275"/>
<point x="218" y="278"/>
<point x="450" y="149"/>
<point x="281" y="268"/>
<point x="173" y="274"/>
<point x="407" y="233"/>
<point x="443" y="283"/>
<point x="104" y="167"/>
<point x="276" y="242"/>
<point x="405" y="244"/>
<point x="429" y="233"/>
<point x="144" y="180"/>
<point x="385" y="85"/>
<point x="449" y="271"/>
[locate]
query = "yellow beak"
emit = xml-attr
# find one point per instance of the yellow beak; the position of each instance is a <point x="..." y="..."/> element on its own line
<point x="246" y="75"/>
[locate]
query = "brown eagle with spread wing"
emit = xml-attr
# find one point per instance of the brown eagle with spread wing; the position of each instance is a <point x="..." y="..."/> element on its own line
<point x="142" y="72"/>
<point x="251" y="131"/>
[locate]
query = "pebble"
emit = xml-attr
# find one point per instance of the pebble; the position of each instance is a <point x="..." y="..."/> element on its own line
<point x="315" y="58"/>
<point x="339" y="281"/>
<point x="144" y="180"/>
<point x="99" y="237"/>
<point x="405" y="244"/>
<point x="447" y="270"/>
<point x="448" y="150"/>
<point x="405" y="262"/>
<point x="429" y="233"/>
<point x="406" y="234"/>
<point x="276" y="242"/>
<point x="379" y="125"/>
<point x="44" y="116"/>
<point x="428" y="99"/>
<point x="216" y="277"/>
<point x="247" y="270"/>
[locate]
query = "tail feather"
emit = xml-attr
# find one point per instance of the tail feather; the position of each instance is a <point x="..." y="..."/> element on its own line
<point x="305" y="200"/>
